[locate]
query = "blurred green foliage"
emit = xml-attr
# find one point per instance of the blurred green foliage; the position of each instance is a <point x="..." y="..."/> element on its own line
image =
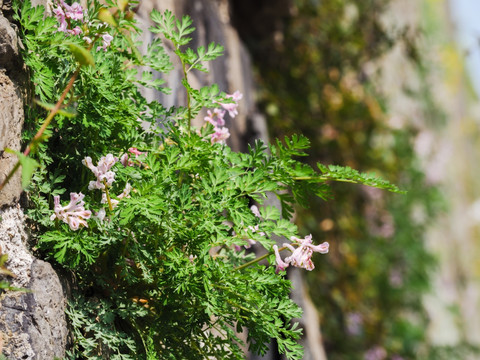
<point x="315" y="80"/>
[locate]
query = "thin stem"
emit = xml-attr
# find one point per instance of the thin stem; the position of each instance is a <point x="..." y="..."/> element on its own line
<point x="323" y="178"/>
<point x="189" y="109"/>
<point x="108" y="196"/>
<point x="44" y="126"/>
<point x="258" y="259"/>
<point x="53" y="112"/>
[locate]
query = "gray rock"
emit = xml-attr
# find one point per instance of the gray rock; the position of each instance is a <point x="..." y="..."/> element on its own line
<point x="8" y="44"/>
<point x="32" y="324"/>
<point x="11" y="110"/>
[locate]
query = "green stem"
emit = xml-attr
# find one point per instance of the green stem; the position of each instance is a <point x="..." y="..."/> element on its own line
<point x="108" y="196"/>
<point x="254" y="261"/>
<point x="323" y="178"/>
<point x="189" y="109"/>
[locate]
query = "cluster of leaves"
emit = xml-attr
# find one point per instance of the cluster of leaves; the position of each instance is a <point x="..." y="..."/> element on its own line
<point x="160" y="277"/>
<point x="370" y="287"/>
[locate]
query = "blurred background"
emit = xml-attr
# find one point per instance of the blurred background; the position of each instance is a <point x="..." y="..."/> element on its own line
<point x="391" y="87"/>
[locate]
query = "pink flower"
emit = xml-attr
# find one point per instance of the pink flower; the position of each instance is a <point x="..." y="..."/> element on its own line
<point x="101" y="171"/>
<point x="74" y="214"/>
<point x="112" y="201"/>
<point x="125" y="194"/>
<point x="281" y="265"/>
<point x="220" y="135"/>
<point x="71" y="12"/>
<point x="236" y="96"/>
<point x="74" y="12"/>
<point x="125" y="161"/>
<point x="60" y="15"/>
<point x="75" y="31"/>
<point x="231" y="108"/>
<point x="216" y="117"/>
<point x="126" y="191"/>
<point x="136" y="151"/>
<point x="125" y="158"/>
<point x="107" y="39"/>
<point x="302" y="255"/>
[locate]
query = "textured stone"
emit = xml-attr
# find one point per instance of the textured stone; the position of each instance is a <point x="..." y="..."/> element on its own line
<point x="8" y="44"/>
<point x="11" y="110"/>
<point x="32" y="324"/>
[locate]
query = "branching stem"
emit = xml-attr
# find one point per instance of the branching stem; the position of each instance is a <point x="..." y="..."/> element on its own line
<point x="189" y="108"/>
<point x="254" y="261"/>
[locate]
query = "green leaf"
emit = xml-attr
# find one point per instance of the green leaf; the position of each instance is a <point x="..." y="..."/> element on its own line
<point x="105" y="16"/>
<point x="28" y="166"/>
<point x="82" y="55"/>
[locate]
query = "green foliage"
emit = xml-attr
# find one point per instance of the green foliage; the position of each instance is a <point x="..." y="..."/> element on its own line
<point x="370" y="286"/>
<point x="159" y="275"/>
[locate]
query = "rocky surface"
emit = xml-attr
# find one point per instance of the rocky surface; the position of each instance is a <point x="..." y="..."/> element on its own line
<point x="32" y="323"/>
<point x="11" y="108"/>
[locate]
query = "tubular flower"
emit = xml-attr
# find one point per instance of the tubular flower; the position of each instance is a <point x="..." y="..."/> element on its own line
<point x="215" y="117"/>
<point x="74" y="11"/>
<point x="301" y="255"/>
<point x="106" y="40"/>
<point x="236" y="96"/>
<point x="232" y="107"/>
<point x="220" y="135"/>
<point x="101" y="171"/>
<point x="65" y="12"/>
<point x="73" y="214"/>
<point x="281" y="265"/>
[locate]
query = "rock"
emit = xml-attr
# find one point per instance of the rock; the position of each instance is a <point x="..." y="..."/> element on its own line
<point x="8" y="44"/>
<point x="11" y="110"/>
<point x="32" y="324"/>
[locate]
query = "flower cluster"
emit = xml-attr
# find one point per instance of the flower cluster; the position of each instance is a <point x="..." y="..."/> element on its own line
<point x="74" y="214"/>
<point x="102" y="171"/>
<point x="71" y="22"/>
<point x="106" y="177"/>
<point x="216" y="117"/>
<point x="65" y="14"/>
<point x="301" y="256"/>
